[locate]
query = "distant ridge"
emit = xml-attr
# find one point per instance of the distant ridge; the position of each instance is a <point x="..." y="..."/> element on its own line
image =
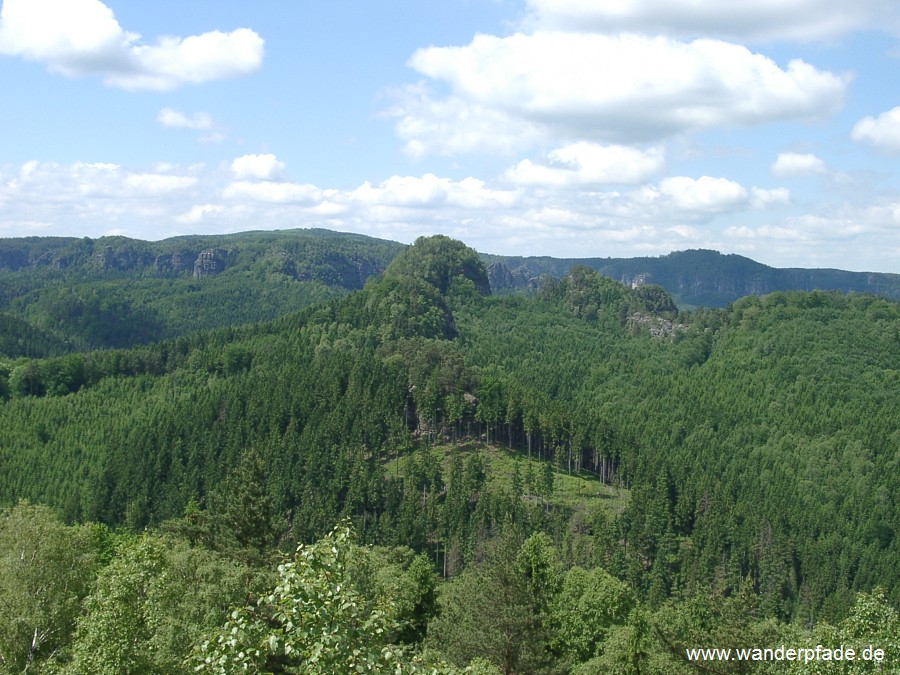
<point x="696" y="277"/>
<point x="62" y="293"/>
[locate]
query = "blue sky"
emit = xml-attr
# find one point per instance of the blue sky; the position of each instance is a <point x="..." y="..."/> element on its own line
<point x="769" y="128"/>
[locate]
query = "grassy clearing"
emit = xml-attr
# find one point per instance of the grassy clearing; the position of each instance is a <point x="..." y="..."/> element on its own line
<point x="569" y="492"/>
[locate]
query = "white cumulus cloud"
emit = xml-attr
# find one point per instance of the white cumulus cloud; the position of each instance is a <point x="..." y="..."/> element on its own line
<point x="262" y="167"/>
<point x="789" y="164"/>
<point x="705" y="194"/>
<point x="200" y="121"/>
<point x="883" y="131"/>
<point x="585" y="163"/>
<point x="83" y="37"/>
<point x="518" y="89"/>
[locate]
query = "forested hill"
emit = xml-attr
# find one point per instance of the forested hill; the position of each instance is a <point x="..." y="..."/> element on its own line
<point x="62" y="294"/>
<point x="119" y="292"/>
<point x="600" y="480"/>
<point x="695" y="278"/>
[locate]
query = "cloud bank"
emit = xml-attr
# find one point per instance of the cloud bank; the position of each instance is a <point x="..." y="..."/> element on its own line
<point x="653" y="217"/>
<point x="82" y="37"/>
<point x="507" y="92"/>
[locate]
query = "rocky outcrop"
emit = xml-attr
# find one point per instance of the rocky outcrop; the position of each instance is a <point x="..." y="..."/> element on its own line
<point x="121" y="258"/>
<point x="499" y="276"/>
<point x="503" y="278"/>
<point x="658" y="326"/>
<point x="209" y="263"/>
<point x="106" y="259"/>
<point x="637" y="281"/>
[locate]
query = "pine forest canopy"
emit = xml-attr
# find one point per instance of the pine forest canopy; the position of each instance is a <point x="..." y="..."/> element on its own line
<point x="623" y="479"/>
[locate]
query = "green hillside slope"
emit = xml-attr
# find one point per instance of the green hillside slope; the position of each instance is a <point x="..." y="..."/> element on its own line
<point x="774" y="419"/>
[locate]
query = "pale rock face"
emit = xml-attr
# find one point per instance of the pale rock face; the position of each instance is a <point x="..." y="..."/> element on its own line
<point x="658" y="326"/>
<point x="209" y="263"/>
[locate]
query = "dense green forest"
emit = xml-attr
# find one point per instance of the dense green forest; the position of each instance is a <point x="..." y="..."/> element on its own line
<point x="61" y="294"/>
<point x="81" y="294"/>
<point x="420" y="476"/>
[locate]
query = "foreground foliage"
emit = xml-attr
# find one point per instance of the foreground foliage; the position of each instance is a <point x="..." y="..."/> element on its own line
<point x="317" y="619"/>
<point x="155" y="604"/>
